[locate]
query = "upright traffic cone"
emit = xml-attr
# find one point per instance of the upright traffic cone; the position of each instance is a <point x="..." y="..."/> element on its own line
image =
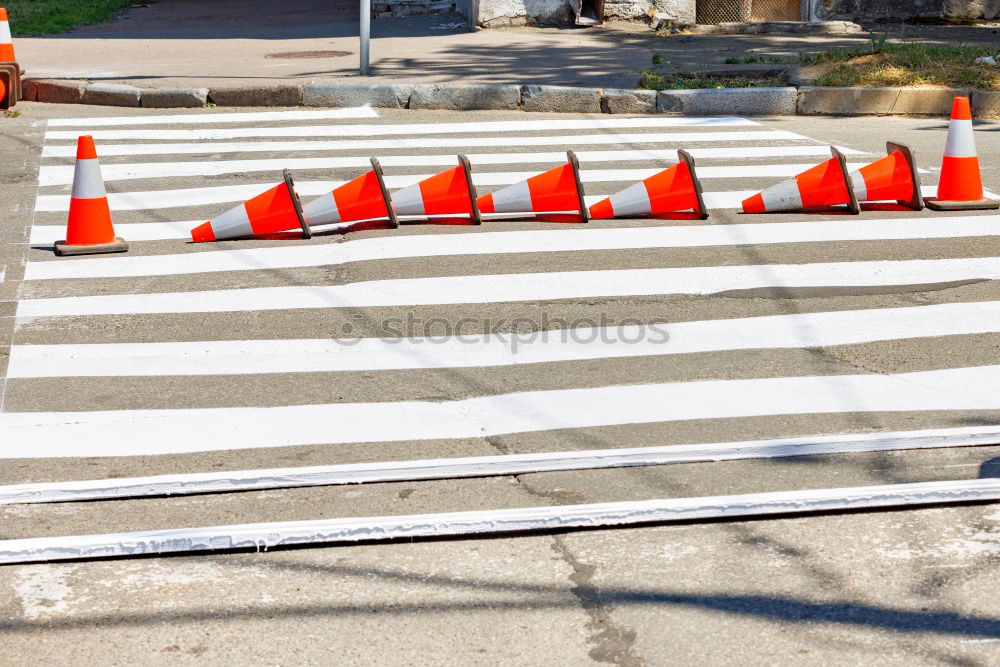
<point x="277" y="210"/>
<point x="88" y="230"/>
<point x="960" y="187"/>
<point x="556" y="190"/>
<point x="826" y="184"/>
<point x="8" y="61"/>
<point x="364" y="198"/>
<point x="449" y="193"/>
<point x="892" y="177"/>
<point x="6" y="42"/>
<point x="670" y="191"/>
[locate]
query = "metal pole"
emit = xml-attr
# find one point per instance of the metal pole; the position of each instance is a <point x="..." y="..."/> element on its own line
<point x="366" y="21"/>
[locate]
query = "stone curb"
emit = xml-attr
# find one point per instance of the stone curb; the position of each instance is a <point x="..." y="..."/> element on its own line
<point x="785" y="101"/>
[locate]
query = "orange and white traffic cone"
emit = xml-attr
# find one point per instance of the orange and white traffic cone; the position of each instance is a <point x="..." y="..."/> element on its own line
<point x="960" y="187"/>
<point x="892" y="177"/>
<point x="8" y="61"/>
<point x="89" y="230"/>
<point x="6" y="42"/>
<point x="555" y="191"/>
<point x="670" y="191"/>
<point x="826" y="184"/>
<point x="271" y="212"/>
<point x="449" y="193"/>
<point x="364" y="198"/>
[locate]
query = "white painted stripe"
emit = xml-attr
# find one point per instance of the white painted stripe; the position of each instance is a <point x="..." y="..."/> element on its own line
<point x="63" y="174"/>
<point x="409" y="200"/>
<point x="783" y="196"/>
<point x="322" y="210"/>
<point x="282" y="147"/>
<point x="961" y="142"/>
<point x="154" y="432"/>
<point x="490" y="522"/>
<point x="491" y="466"/>
<point x="204" y="118"/>
<point x="141" y="231"/>
<point x="633" y="200"/>
<point x="254" y="357"/>
<point x="524" y="287"/>
<point x="159" y="199"/>
<point x="86" y="179"/>
<point x="378" y="130"/>
<point x="490" y="243"/>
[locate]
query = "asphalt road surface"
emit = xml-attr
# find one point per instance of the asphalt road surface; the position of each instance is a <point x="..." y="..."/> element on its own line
<point x="240" y="355"/>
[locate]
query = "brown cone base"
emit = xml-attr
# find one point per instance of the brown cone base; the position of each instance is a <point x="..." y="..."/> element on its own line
<point x="973" y="205"/>
<point x="63" y="250"/>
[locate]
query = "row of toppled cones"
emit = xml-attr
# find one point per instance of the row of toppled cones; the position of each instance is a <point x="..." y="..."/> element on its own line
<point x="452" y="194"/>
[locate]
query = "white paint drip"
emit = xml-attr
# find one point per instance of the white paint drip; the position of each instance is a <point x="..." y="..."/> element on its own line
<point x="171" y="431"/>
<point x="328" y="531"/>
<point x="494" y="243"/>
<point x="483" y="466"/>
<point x="246" y="357"/>
<point x="525" y="287"/>
<point x="215" y="118"/>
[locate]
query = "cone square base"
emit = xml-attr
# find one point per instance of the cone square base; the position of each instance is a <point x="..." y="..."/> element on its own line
<point x="64" y="250"/>
<point x="974" y="205"/>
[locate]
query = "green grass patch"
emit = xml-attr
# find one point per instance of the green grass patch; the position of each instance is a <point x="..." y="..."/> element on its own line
<point x="906" y="64"/>
<point x="680" y="80"/>
<point x="51" y="17"/>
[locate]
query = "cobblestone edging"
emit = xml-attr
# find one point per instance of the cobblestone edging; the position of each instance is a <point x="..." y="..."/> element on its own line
<point x="785" y="101"/>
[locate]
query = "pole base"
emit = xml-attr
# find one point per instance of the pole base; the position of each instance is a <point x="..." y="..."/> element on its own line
<point x="972" y="205"/>
<point x="64" y="250"/>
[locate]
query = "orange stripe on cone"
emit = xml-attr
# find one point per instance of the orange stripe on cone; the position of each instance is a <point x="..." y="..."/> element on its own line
<point x="89" y="229"/>
<point x="960" y="186"/>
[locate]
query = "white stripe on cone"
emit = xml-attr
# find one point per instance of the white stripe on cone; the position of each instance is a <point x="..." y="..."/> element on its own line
<point x="860" y="187"/>
<point x="322" y="210"/>
<point x="234" y="223"/>
<point x="633" y="200"/>
<point x="87" y="180"/>
<point x="5" y="37"/>
<point x="513" y="199"/>
<point x="961" y="142"/>
<point x="408" y="201"/>
<point x="783" y="196"/>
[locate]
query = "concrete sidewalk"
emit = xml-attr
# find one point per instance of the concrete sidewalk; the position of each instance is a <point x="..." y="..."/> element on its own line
<point x="221" y="43"/>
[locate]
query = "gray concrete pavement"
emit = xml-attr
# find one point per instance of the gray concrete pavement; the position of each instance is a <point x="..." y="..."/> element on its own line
<point x="913" y="587"/>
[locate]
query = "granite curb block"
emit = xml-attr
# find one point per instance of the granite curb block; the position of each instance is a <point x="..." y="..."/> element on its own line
<point x="729" y="101"/>
<point x="784" y="101"/>
<point x="814" y="100"/>
<point x="382" y="95"/>
<point x="465" y="97"/>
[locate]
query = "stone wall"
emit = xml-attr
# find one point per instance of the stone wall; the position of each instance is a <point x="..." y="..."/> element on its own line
<point x="904" y="9"/>
<point x="493" y="13"/>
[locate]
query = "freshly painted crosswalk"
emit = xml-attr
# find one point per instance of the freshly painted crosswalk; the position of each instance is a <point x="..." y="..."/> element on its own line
<point x="252" y="357"/>
<point x="770" y="320"/>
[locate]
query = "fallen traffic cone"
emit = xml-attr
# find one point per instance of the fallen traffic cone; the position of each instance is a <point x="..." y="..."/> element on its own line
<point x="556" y="190"/>
<point x="88" y="229"/>
<point x="364" y="198"/>
<point x="960" y="187"/>
<point x="448" y="193"/>
<point x="271" y="212"/>
<point x="892" y="177"/>
<point x="670" y="191"/>
<point x="826" y="184"/>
